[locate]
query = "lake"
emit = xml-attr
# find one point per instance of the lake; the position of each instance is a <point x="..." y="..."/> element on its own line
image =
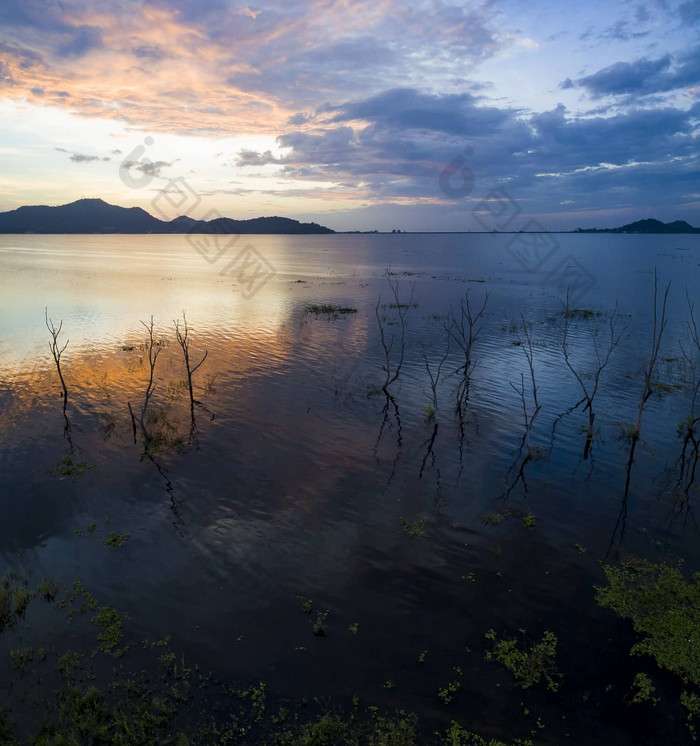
<point x="295" y="493"/>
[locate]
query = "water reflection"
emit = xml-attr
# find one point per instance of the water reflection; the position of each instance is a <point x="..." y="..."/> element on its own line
<point x="275" y="452"/>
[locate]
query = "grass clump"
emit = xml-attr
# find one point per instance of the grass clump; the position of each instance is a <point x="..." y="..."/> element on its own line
<point x="527" y="666"/>
<point x="664" y="609"/>
<point x="319" y="626"/>
<point x="21" y="658"/>
<point x="493" y="519"/>
<point x="328" y="309"/>
<point x="644" y="689"/>
<point x="116" y="540"/>
<point x="14" y="599"/>
<point x="582" y="313"/>
<point x="416" y="527"/>
<point x="66" y="467"/>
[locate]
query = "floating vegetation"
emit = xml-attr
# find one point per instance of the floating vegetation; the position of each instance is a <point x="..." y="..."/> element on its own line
<point x="493" y="519"/>
<point x="644" y="689"/>
<point x="306" y="604"/>
<point x="448" y="692"/>
<point x="67" y="467"/>
<point x="665" y="611"/>
<point x="48" y="589"/>
<point x="662" y="389"/>
<point x="581" y="313"/>
<point x="528" y="666"/>
<point x="21" y="658"/>
<point x="319" y="626"/>
<point x="529" y="521"/>
<point x="328" y="309"/>
<point x="115" y="540"/>
<point x="14" y="599"/>
<point x="416" y="527"/>
<point x="663" y="608"/>
<point x="109" y="620"/>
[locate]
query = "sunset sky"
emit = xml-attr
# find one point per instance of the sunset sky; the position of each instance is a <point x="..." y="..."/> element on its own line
<point x="347" y="112"/>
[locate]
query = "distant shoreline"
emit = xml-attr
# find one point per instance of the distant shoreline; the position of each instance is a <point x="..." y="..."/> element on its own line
<point x="95" y="217"/>
<point x="371" y="233"/>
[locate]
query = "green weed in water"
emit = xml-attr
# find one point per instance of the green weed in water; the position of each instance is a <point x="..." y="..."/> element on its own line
<point x="528" y="666"/>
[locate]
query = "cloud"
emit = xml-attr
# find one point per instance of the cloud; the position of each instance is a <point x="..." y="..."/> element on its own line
<point x="645" y="76"/>
<point x="409" y="109"/>
<point x="80" y="158"/>
<point x="152" y="168"/>
<point x="252" y="158"/>
<point x="233" y="68"/>
<point x="689" y="12"/>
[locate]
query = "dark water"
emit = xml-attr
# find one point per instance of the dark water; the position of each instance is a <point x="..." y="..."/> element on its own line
<point x="299" y="480"/>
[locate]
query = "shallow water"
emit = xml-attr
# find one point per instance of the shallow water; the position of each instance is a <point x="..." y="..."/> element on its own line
<point x="298" y="477"/>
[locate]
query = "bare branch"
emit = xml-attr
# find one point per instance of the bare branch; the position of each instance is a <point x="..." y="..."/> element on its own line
<point x="56" y="351"/>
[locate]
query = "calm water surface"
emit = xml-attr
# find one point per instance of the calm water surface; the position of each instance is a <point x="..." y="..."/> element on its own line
<point x="298" y="478"/>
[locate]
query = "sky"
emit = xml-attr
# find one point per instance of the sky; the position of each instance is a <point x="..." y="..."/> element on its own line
<point x="362" y="115"/>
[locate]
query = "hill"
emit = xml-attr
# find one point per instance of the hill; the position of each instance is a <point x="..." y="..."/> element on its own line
<point x="97" y="216"/>
<point x="646" y="226"/>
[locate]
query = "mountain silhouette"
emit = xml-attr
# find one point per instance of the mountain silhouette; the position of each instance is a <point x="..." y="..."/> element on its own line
<point x="649" y="225"/>
<point x="97" y="216"/>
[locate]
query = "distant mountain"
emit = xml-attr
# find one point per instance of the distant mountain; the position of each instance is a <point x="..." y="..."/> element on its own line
<point x="97" y="216"/>
<point x="646" y="226"/>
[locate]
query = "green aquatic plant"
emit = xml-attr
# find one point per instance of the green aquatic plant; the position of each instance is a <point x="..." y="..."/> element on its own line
<point x="306" y="604"/>
<point x="319" y="625"/>
<point x="67" y="467"/>
<point x="664" y="610"/>
<point x="20" y="597"/>
<point x="581" y="313"/>
<point x="116" y="540"/>
<point x="14" y="598"/>
<point x="458" y="735"/>
<point x="691" y="702"/>
<point x="329" y="309"/>
<point x="529" y="521"/>
<point x="448" y="692"/>
<point x="644" y="689"/>
<point x="493" y="519"/>
<point x="416" y="527"/>
<point x="21" y="658"/>
<point x="528" y="666"/>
